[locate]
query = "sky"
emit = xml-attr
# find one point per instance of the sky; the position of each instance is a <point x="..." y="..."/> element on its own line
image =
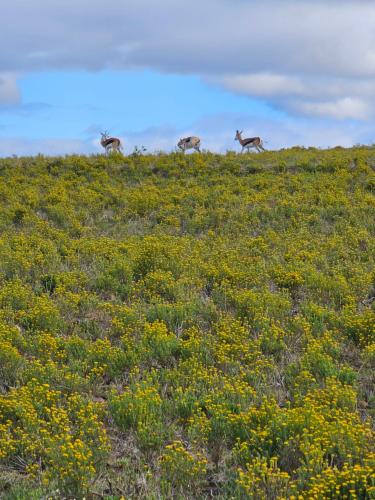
<point x="294" y="72"/>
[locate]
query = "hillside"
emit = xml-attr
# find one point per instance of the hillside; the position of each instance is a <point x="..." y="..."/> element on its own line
<point x="188" y="326"/>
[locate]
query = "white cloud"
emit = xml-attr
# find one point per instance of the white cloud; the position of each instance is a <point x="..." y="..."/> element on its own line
<point x="262" y="84"/>
<point x="341" y="109"/>
<point x="22" y="146"/>
<point x="336" y="98"/>
<point x="9" y="92"/>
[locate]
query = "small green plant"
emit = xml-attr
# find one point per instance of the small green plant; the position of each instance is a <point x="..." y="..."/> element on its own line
<point x="19" y="215"/>
<point x="138" y="151"/>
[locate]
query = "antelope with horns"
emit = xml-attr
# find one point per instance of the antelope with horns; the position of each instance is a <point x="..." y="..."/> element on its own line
<point x="250" y="142"/>
<point x="110" y="143"/>
<point x="189" y="143"/>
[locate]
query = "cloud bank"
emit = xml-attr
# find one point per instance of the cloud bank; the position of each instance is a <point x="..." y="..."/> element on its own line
<point x="216" y="131"/>
<point x="308" y="57"/>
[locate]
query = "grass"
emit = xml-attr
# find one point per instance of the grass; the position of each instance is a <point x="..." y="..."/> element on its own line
<point x="188" y="326"/>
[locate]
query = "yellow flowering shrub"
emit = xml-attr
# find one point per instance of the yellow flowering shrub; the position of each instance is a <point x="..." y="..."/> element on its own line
<point x="349" y="482"/>
<point x="263" y="480"/>
<point x="139" y="408"/>
<point x="60" y="439"/>
<point x="361" y="327"/>
<point x="182" y="470"/>
<point x="159" y="343"/>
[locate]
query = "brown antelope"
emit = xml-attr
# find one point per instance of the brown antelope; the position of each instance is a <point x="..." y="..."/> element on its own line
<point x="250" y="142"/>
<point x="189" y="143"/>
<point x="110" y="143"/>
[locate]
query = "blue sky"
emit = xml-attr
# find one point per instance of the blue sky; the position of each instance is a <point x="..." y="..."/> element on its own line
<point x="155" y="71"/>
<point x="120" y="101"/>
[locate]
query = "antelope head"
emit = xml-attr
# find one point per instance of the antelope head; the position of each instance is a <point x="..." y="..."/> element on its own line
<point x="104" y="135"/>
<point x="238" y="135"/>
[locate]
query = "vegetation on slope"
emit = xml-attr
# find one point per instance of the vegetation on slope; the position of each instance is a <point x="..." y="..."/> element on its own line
<point x="188" y="326"/>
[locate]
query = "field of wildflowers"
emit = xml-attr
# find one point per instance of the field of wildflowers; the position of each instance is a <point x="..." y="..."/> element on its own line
<point x="188" y="326"/>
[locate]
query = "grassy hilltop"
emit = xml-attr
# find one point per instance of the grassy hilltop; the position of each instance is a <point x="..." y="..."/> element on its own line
<point x="188" y="327"/>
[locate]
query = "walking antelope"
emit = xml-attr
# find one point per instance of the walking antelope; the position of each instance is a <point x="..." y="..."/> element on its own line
<point x="110" y="143"/>
<point x="251" y="142"/>
<point x="189" y="143"/>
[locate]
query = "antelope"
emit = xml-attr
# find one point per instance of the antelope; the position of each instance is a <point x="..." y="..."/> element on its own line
<point x="251" y="142"/>
<point x="110" y="143"/>
<point x="189" y="143"/>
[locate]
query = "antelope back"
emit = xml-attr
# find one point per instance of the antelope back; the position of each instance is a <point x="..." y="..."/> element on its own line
<point x="251" y="140"/>
<point x="111" y="141"/>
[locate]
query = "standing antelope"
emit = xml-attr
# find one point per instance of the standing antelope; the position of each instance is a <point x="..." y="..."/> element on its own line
<point x="110" y="143"/>
<point x="189" y="143"/>
<point x="251" y="142"/>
